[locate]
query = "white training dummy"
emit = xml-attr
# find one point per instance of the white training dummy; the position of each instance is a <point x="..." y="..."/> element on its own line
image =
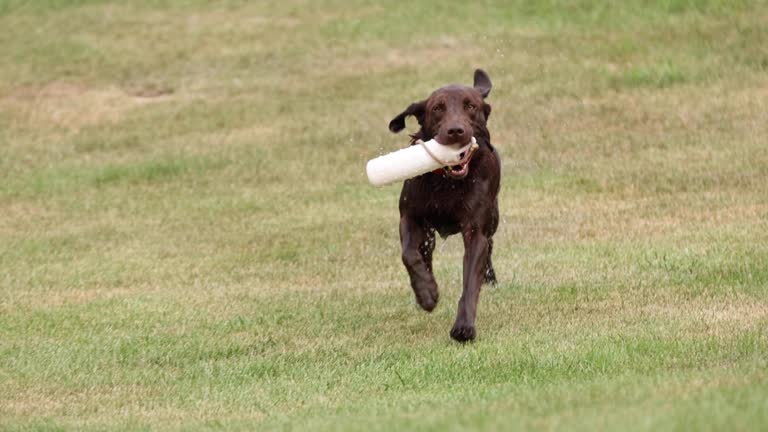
<point x="421" y="157"/>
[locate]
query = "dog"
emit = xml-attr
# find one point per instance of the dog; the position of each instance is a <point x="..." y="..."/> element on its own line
<point x="451" y="200"/>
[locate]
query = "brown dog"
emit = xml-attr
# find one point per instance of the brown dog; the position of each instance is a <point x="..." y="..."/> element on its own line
<point x="454" y="199"/>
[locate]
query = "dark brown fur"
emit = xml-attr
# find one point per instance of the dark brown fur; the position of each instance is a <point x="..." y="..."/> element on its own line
<point x="435" y="202"/>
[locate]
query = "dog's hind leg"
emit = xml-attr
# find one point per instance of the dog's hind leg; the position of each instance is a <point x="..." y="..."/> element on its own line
<point x="427" y="247"/>
<point x="417" y="243"/>
<point x="489" y="276"/>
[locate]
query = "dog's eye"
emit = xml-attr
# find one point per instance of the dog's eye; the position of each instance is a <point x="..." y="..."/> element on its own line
<point x="471" y="107"/>
<point x="438" y="109"/>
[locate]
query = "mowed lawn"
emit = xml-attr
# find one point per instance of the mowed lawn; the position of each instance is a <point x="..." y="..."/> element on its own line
<point x="188" y="240"/>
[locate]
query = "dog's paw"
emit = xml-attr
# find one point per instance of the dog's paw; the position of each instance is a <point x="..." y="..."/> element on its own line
<point x="427" y="300"/>
<point x="463" y="333"/>
<point x="489" y="276"/>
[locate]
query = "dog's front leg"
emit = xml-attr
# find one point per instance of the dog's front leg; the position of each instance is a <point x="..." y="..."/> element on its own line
<point x="476" y="247"/>
<point x="414" y="238"/>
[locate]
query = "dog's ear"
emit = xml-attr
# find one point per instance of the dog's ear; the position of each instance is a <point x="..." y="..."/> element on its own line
<point x="486" y="110"/>
<point x="482" y="82"/>
<point x="416" y="109"/>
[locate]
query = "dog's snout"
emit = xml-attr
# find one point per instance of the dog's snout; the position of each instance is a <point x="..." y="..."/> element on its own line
<point x="455" y="131"/>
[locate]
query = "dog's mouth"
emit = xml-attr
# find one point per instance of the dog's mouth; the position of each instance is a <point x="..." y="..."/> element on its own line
<point x="461" y="170"/>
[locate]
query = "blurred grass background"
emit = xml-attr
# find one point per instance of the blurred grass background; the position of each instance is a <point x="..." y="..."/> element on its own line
<point x="188" y="240"/>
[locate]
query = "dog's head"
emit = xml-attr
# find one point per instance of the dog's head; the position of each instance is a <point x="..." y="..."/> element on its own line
<point x="452" y="114"/>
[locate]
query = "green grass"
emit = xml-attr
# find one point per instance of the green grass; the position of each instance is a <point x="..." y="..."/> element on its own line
<point x="188" y="240"/>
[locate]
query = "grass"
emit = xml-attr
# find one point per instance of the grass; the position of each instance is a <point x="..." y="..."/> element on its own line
<point x="188" y="241"/>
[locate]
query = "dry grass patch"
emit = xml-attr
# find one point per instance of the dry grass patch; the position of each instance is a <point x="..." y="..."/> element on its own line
<point x="448" y="49"/>
<point x="73" y="107"/>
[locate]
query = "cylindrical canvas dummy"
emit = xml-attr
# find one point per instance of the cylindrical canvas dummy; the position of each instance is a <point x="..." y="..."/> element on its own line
<point x="415" y="160"/>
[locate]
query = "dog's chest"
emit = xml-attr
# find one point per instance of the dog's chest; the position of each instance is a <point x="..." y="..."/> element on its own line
<point x="449" y="197"/>
<point x="442" y="203"/>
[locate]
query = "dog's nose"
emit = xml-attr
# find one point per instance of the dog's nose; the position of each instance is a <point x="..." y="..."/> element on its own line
<point x="455" y="131"/>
